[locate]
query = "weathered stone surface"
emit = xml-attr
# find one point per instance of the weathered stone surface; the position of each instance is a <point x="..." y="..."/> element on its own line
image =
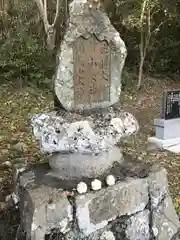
<point x="72" y="133"/>
<point x="77" y="165"/>
<point x="101" y="234"/>
<point x="125" y="209"/>
<point x="107" y="235"/>
<point x="165" y="222"/>
<point x="95" y="210"/>
<point x="86" y="148"/>
<point x="176" y="236"/>
<point x="138" y="226"/>
<point x="43" y="209"/>
<point x="38" y="234"/>
<point x="96" y="81"/>
<point x="75" y="234"/>
<point x="158" y="185"/>
<point x="17" y="169"/>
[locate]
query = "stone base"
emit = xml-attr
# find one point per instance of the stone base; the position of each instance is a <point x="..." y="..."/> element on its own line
<point x="138" y="206"/>
<point x="172" y="145"/>
<point x="77" y="165"/>
<point x="167" y="129"/>
<point x="83" y="144"/>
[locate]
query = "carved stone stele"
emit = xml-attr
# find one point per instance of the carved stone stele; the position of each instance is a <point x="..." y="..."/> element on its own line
<point x="91" y="59"/>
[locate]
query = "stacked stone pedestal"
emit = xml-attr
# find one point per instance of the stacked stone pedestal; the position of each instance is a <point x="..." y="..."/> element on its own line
<point x="83" y="145"/>
<point x="136" y="207"/>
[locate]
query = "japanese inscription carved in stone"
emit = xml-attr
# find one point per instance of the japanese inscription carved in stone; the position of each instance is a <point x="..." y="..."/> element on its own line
<point x="90" y="60"/>
<point x="91" y="71"/>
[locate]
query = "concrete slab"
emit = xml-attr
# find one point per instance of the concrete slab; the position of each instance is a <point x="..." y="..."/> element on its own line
<point x="172" y="145"/>
<point x="174" y="149"/>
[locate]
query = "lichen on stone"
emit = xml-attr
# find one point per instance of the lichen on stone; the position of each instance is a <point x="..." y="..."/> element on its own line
<point x="89" y="135"/>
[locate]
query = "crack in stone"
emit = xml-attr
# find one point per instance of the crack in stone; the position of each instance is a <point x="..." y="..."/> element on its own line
<point x="162" y="212"/>
<point x="72" y="201"/>
<point x="152" y="237"/>
<point x="151" y="210"/>
<point x="160" y="202"/>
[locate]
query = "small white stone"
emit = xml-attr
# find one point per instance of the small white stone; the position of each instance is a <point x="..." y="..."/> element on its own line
<point x="96" y="185"/>
<point x="82" y="187"/>
<point x="90" y="6"/>
<point x="110" y="180"/>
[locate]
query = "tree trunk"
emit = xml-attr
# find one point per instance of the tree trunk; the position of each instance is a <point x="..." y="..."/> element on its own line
<point x="140" y="74"/>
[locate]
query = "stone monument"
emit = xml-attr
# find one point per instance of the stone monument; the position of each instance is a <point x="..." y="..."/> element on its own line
<point x="119" y="198"/>
<point x="88" y="77"/>
<point x="91" y="59"/>
<point x="168" y="126"/>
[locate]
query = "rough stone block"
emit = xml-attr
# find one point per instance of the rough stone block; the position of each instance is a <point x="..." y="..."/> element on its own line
<point x="107" y="235"/>
<point x="95" y="210"/>
<point x="101" y="234"/>
<point x="165" y="222"/>
<point x="158" y="185"/>
<point x="43" y="209"/>
<point x="134" y="208"/>
<point x="78" y="133"/>
<point x="176" y="236"/>
<point x="138" y="226"/>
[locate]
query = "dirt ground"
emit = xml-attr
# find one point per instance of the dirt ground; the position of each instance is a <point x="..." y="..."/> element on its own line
<point x="17" y="143"/>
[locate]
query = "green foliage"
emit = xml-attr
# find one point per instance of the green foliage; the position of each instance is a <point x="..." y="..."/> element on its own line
<point x="163" y="50"/>
<point x="24" y="56"/>
<point x="23" y="51"/>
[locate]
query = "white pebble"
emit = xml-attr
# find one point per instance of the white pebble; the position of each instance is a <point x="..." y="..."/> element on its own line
<point x="96" y="184"/>
<point x="110" y="180"/>
<point x="82" y="187"/>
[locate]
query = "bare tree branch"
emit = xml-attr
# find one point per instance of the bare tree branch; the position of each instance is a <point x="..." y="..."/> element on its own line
<point x="57" y="12"/>
<point x="45" y="17"/>
<point x="40" y="6"/>
<point x="49" y="28"/>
